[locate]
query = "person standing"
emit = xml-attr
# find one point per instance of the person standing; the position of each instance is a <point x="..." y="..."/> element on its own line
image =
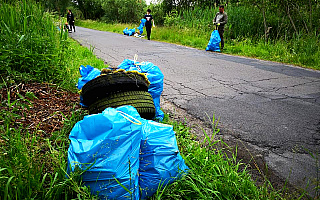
<point x="149" y="19"/>
<point x="70" y="19"/>
<point x="220" y="20"/>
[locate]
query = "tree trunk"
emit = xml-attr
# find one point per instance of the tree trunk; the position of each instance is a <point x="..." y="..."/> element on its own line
<point x="264" y="23"/>
<point x="293" y="25"/>
<point x="263" y="9"/>
<point x="310" y="13"/>
<point x="297" y="7"/>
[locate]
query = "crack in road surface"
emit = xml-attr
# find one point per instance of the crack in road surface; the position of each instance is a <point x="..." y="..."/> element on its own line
<point x="272" y="107"/>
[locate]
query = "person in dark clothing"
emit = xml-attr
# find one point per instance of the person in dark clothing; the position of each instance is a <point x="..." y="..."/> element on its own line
<point x="220" y="20"/>
<point x="149" y="19"/>
<point x="70" y="19"/>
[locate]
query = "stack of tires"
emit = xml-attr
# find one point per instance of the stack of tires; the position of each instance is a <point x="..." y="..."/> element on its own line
<point x="119" y="88"/>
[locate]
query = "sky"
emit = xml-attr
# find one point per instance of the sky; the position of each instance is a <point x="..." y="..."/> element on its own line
<point x="148" y="1"/>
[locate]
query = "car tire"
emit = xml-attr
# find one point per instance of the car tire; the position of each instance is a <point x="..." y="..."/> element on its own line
<point x="106" y="84"/>
<point x="141" y="100"/>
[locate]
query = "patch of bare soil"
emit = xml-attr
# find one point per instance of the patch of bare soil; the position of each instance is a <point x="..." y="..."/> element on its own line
<point x="47" y="111"/>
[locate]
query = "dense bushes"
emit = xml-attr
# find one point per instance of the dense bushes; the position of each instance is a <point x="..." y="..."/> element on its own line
<point x="124" y="11"/>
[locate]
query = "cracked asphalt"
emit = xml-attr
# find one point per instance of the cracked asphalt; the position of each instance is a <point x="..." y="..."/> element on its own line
<point x="273" y="106"/>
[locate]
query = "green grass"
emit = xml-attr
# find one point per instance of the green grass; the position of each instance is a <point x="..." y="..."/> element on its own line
<point x="101" y="26"/>
<point x="26" y="47"/>
<point x="302" y="51"/>
<point x="34" y="49"/>
<point x="78" y="55"/>
<point x="297" y="51"/>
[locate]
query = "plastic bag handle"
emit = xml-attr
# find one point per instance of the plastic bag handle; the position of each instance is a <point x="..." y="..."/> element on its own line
<point x="135" y="60"/>
<point x="129" y="118"/>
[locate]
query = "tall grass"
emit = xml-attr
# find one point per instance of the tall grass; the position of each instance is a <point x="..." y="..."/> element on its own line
<point x="244" y="35"/>
<point x="30" y="42"/>
<point x="302" y="51"/>
<point x="34" y="47"/>
<point x="77" y="56"/>
<point x="243" y="22"/>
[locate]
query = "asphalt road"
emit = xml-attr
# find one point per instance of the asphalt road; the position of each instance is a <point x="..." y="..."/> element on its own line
<point x="275" y="107"/>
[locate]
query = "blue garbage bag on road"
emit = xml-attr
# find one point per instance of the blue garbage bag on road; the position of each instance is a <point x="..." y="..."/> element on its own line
<point x="109" y="142"/>
<point x="160" y="159"/>
<point x="129" y="32"/>
<point x="87" y="74"/>
<point x="125" y="31"/>
<point x="155" y="77"/>
<point x="214" y="42"/>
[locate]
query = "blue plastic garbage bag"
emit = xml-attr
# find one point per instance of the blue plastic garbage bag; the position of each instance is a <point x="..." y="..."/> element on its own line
<point x="125" y="31"/>
<point x="142" y="23"/>
<point x="110" y="142"/>
<point x="87" y="74"/>
<point x="131" y="31"/>
<point x="155" y="77"/>
<point x="160" y="159"/>
<point x="214" y="41"/>
<point x="140" y="29"/>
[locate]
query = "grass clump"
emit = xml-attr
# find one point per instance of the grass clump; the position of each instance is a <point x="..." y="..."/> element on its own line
<point x="30" y="43"/>
<point x="34" y="48"/>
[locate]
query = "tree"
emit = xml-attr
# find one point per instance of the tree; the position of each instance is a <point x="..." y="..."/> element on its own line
<point x="91" y="9"/>
<point x="263" y="6"/>
<point x="55" y="5"/>
<point x="124" y="11"/>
